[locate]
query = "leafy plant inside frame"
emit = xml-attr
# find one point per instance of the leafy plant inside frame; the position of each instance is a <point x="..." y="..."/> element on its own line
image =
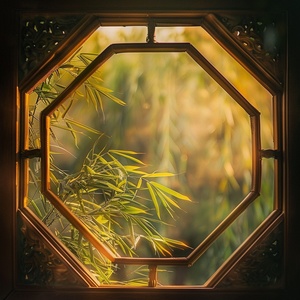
<point x="110" y="192"/>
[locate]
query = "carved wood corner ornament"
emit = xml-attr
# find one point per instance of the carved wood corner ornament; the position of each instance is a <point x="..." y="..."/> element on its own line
<point x="39" y="264"/>
<point x="261" y="267"/>
<point x="39" y="36"/>
<point x="260" y="36"/>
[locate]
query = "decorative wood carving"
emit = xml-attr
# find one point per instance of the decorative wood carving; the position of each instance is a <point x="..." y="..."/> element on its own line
<point x="39" y="264"/>
<point x="262" y="267"/>
<point x="261" y="37"/>
<point x="39" y="36"/>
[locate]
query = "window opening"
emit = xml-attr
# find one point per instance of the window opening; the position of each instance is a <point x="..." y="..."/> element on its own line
<point x="208" y="125"/>
<point x="238" y="76"/>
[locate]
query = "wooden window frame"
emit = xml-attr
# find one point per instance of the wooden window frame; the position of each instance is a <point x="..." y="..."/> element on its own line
<point x="9" y="288"/>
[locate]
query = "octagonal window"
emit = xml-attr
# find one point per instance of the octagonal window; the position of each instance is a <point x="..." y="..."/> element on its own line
<point x="152" y="156"/>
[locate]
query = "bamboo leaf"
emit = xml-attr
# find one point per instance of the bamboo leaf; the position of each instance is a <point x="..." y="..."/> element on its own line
<point x="108" y="93"/>
<point x="115" y="163"/>
<point x="134" y="169"/>
<point x="127" y="154"/>
<point x="85" y="127"/>
<point x="84" y="57"/>
<point x="99" y="98"/>
<point x="112" y="186"/>
<point x="136" y="241"/>
<point x="133" y="210"/>
<point x="154" y="199"/>
<point x="172" y="242"/>
<point x="113" y="98"/>
<point x="163" y="250"/>
<point x="66" y="66"/>
<point x="164" y="203"/>
<point x="144" y="225"/>
<point x="60" y="85"/>
<point x="131" y="230"/>
<point x="73" y="134"/>
<point x="68" y="128"/>
<point x="139" y="184"/>
<point x="167" y="198"/>
<point x="170" y="191"/>
<point x="160" y="174"/>
<point x="90" y="95"/>
<point x="89" y="170"/>
<point x="100" y="219"/>
<point x="91" y="252"/>
<point x="99" y="87"/>
<point x="124" y="246"/>
<point x="36" y="208"/>
<point x="53" y="178"/>
<point x="67" y="109"/>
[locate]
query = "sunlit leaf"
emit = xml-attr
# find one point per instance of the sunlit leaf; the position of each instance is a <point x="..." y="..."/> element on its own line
<point x="140" y="181"/>
<point x="134" y="169"/>
<point x="165" y="204"/>
<point x="132" y="210"/>
<point x="90" y="170"/>
<point x="87" y="58"/>
<point x="90" y="96"/>
<point x="131" y="231"/>
<point x="127" y="154"/>
<point x="170" y="191"/>
<point x="168" y="199"/>
<point x="158" y="174"/>
<point x="85" y="127"/>
<point x="154" y="199"/>
<point x="179" y="243"/>
<point x="101" y="220"/>
<point x="107" y="93"/>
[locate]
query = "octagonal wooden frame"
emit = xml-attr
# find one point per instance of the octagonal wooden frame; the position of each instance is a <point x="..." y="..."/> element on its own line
<point x="221" y="80"/>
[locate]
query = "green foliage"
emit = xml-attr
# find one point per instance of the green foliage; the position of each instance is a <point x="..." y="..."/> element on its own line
<point x="110" y="192"/>
<point x="112" y="199"/>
